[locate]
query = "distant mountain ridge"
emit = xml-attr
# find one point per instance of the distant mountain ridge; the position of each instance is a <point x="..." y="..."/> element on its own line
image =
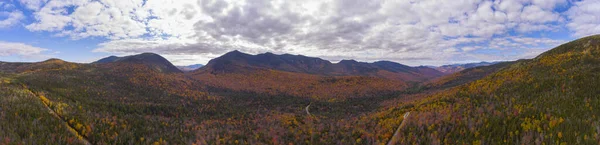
<point x="454" y="68"/>
<point x="236" y="61"/>
<point x="239" y="62"/>
<point x="190" y="67"/>
<point x="467" y="75"/>
<point x="152" y="60"/>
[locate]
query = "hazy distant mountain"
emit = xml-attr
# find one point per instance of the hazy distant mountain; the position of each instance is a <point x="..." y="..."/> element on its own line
<point x="237" y="61"/>
<point x="152" y="60"/>
<point x="453" y="68"/>
<point x="467" y="75"/>
<point x="190" y="67"/>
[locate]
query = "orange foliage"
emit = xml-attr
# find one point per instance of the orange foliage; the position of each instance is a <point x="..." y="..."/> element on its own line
<point x="305" y="85"/>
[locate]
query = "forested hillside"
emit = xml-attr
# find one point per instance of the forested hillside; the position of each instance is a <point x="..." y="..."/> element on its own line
<point x="551" y="99"/>
<point x="239" y="62"/>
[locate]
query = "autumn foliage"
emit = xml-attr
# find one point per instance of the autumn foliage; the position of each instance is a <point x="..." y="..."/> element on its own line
<point x="551" y="99"/>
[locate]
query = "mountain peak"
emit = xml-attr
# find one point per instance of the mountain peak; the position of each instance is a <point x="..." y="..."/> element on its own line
<point x="234" y="60"/>
<point x="350" y="61"/>
<point x="385" y="62"/>
<point x="152" y="60"/>
<point x="149" y="54"/>
<point x="107" y="59"/>
<point x="53" y="60"/>
<point x="234" y="52"/>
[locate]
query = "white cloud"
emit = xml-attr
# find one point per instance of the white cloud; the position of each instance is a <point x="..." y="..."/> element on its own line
<point x="548" y="4"/>
<point x="34" y="5"/>
<point x="12" y="18"/>
<point x="584" y="18"/>
<point x="536" y="41"/>
<point x="536" y="14"/>
<point x="470" y="48"/>
<point x="4" y="5"/>
<point x="163" y="46"/>
<point x="399" y="30"/>
<point x="528" y="27"/>
<point x="106" y="18"/>
<point x="20" y="49"/>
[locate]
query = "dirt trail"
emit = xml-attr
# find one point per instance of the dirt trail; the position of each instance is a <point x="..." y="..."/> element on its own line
<point x="397" y="136"/>
<point x="307" y="107"/>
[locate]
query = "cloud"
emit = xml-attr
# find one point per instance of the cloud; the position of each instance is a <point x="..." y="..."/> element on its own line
<point x="20" y="49"/>
<point x="113" y="19"/>
<point x="548" y="4"/>
<point x="536" y="14"/>
<point x="427" y="31"/>
<point x="4" y="5"/>
<point x="12" y="18"/>
<point x="584" y="18"/>
<point x="162" y="46"/>
<point x="34" y="5"/>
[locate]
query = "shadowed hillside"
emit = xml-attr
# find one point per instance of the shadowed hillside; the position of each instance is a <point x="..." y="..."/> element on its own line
<point x="152" y="60"/>
<point x="238" y="62"/>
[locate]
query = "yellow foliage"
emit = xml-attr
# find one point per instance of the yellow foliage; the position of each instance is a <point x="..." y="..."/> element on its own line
<point x="45" y="100"/>
<point x="60" y="108"/>
<point x="559" y="134"/>
<point x="477" y="142"/>
<point x="78" y="126"/>
<point x="160" y="142"/>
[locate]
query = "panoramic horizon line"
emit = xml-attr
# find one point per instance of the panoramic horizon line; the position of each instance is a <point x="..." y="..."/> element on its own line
<point x="188" y="32"/>
<point x="333" y="62"/>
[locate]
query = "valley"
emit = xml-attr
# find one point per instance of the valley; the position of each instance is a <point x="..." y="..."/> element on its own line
<point x="267" y="98"/>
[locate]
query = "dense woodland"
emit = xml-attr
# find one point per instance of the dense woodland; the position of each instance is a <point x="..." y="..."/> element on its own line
<point x="551" y="99"/>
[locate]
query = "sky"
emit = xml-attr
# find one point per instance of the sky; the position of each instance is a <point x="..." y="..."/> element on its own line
<point x="411" y="32"/>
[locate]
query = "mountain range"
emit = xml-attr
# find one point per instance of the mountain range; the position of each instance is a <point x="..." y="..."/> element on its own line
<point x="189" y="68"/>
<point x="237" y="61"/>
<point x="453" y="68"/>
<point x="267" y="98"/>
